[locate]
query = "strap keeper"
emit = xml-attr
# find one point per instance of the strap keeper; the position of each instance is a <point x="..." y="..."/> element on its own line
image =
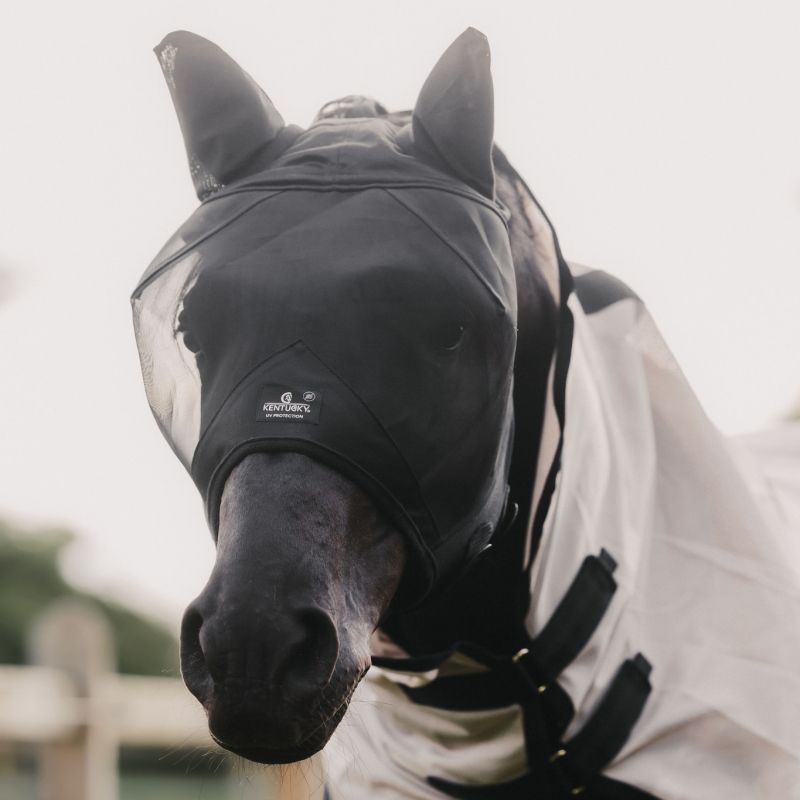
<point x="607" y="560"/>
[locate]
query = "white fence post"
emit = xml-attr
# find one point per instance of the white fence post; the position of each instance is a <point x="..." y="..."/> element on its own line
<point x="75" y="638"/>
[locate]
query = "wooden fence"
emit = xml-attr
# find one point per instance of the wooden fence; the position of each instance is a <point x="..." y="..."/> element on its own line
<point x="78" y="712"/>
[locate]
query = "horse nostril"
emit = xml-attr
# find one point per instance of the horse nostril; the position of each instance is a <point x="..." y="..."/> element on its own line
<point x="318" y="650"/>
<point x="193" y="666"/>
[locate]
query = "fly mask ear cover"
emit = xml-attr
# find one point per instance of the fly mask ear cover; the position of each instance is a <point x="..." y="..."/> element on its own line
<point x="354" y="303"/>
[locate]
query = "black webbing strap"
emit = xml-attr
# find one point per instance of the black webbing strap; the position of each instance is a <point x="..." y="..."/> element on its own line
<point x="523" y="786"/>
<point x="606" y="731"/>
<point x="476" y="692"/>
<point x="576" y="617"/>
<point x="424" y="663"/>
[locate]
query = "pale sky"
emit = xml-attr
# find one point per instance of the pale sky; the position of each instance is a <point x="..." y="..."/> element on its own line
<point x="663" y="140"/>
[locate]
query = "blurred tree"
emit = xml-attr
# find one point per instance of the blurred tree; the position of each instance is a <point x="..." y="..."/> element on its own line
<point x="30" y="579"/>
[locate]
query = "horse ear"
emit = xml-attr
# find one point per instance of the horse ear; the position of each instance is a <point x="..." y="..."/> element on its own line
<point x="227" y="121"/>
<point x="453" y="118"/>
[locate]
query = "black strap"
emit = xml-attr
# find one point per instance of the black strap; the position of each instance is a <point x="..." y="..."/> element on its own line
<point x="606" y="731"/>
<point x="423" y="663"/>
<point x="522" y="787"/>
<point x="576" y="617"/>
<point x="475" y="692"/>
<point x="529" y="787"/>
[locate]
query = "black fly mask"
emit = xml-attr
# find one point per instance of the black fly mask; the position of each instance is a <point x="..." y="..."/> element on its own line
<point x="345" y="291"/>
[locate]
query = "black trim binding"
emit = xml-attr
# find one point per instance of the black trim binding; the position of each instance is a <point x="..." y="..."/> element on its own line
<point x="598" y="290"/>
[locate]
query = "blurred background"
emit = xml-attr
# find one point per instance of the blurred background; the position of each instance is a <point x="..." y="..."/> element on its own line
<point x="662" y="140"/>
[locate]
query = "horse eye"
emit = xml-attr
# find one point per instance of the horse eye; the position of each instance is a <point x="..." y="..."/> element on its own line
<point x="189" y="341"/>
<point x="450" y="337"/>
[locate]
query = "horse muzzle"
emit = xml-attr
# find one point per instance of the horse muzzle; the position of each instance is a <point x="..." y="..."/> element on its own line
<point x="274" y="688"/>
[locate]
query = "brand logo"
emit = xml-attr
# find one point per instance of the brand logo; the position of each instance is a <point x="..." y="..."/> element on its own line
<point x="279" y="404"/>
<point x="287" y="405"/>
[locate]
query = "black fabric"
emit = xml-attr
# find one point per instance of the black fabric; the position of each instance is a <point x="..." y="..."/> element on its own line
<point x="346" y="291"/>
<point x="207" y="311"/>
<point x="597" y="290"/>
<point x="482" y="607"/>
<point x="450" y="122"/>
<point x="395" y="306"/>
<point x="229" y="125"/>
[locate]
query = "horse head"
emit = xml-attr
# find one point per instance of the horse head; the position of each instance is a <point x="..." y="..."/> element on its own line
<point x="328" y="345"/>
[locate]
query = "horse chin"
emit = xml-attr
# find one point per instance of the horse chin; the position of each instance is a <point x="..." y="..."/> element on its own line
<point x="312" y="744"/>
<point x="275" y="725"/>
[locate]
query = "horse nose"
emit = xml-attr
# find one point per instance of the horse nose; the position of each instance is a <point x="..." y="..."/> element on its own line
<point x="274" y="656"/>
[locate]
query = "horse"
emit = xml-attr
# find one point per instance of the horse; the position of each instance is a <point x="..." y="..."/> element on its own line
<point x="435" y="454"/>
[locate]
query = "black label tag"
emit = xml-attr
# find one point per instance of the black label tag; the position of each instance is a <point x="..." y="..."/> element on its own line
<point x="278" y="403"/>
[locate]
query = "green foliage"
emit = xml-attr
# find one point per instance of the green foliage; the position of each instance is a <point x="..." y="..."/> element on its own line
<point x="31" y="579"/>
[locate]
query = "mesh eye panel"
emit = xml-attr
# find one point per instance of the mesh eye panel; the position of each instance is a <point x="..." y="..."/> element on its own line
<point x="168" y="360"/>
